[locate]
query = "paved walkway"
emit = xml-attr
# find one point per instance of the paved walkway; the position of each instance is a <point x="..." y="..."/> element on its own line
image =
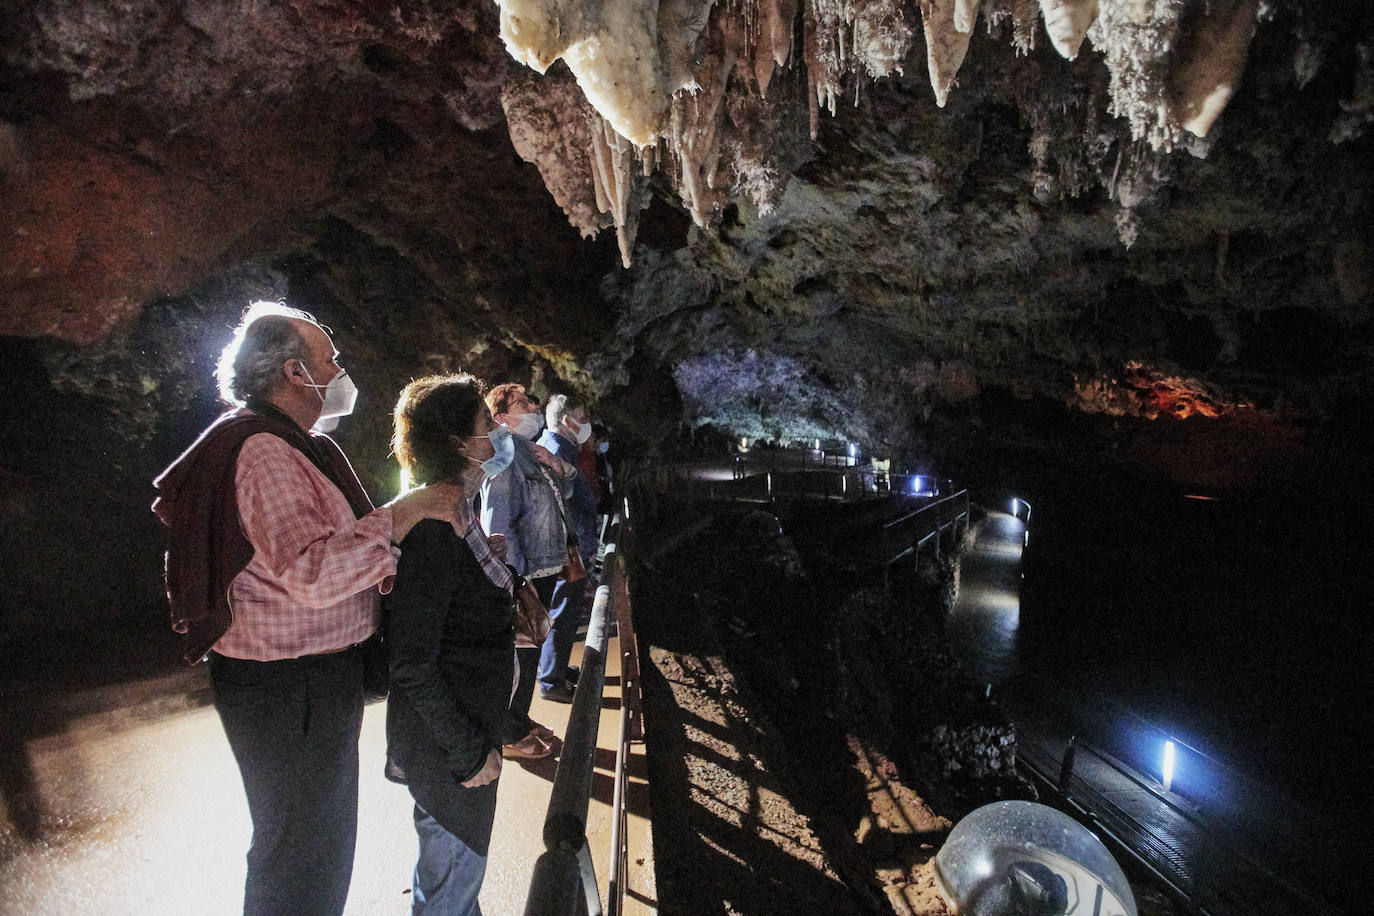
<point x="986" y="618"/>
<point x="144" y="814"/>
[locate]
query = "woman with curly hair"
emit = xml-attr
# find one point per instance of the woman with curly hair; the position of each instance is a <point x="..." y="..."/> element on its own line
<point x="450" y="636"/>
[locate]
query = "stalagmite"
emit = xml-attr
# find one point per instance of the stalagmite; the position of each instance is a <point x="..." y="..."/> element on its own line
<point x="1211" y="63"/>
<point x="946" y="45"/>
<point x="1067" y="22"/>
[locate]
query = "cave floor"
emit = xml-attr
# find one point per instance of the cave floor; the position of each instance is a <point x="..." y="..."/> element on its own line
<point x="140" y="811"/>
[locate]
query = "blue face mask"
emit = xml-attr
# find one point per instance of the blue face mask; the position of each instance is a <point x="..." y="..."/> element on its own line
<point x="504" y="448"/>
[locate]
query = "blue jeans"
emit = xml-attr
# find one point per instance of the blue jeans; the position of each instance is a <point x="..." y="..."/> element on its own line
<point x="293" y="727"/>
<point x="448" y="875"/>
<point x="564" y="602"/>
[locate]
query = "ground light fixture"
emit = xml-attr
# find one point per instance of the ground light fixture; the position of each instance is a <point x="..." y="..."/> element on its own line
<point x="922" y="485"/>
<point x="1015" y="858"/>
<point x="1168" y="771"/>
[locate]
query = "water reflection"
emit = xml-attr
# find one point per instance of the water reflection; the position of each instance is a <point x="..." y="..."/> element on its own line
<point x="985" y="622"/>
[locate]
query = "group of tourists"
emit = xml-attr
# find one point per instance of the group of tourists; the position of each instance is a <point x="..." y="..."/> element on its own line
<point x="299" y="593"/>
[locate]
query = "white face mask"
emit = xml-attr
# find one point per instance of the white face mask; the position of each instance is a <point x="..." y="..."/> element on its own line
<point x="581" y="431"/>
<point x="527" y="425"/>
<point x="339" y="395"/>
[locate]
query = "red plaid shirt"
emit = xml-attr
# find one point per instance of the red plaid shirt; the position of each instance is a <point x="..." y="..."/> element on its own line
<point x="317" y="572"/>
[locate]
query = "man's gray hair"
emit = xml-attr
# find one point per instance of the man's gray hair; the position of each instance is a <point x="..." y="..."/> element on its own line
<point x="558" y="406"/>
<point x="266" y="337"/>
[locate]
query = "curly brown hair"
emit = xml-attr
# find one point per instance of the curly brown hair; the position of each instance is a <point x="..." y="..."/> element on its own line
<point x="428" y="412"/>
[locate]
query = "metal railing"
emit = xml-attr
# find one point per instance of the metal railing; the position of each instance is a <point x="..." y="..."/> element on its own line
<point x="566" y="865"/>
<point x="938" y="525"/>
<point x="1188" y="856"/>
<point x="775" y="475"/>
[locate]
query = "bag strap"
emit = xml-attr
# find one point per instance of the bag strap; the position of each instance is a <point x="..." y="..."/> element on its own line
<point x="562" y="506"/>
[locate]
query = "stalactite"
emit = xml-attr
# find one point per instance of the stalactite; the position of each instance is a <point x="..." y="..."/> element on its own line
<point x="1210" y="63"/>
<point x="547" y="120"/>
<point x="881" y="37"/>
<point x="1067" y="22"/>
<point x="1138" y="37"/>
<point x="773" y="39"/>
<point x="1024" y="16"/>
<point x="628" y="57"/>
<point x="946" y="44"/>
<point x="825" y="60"/>
<point x="613" y="159"/>
<point x="698" y="121"/>
<point x="965" y="11"/>
<point x="660" y="78"/>
<point x="811" y="55"/>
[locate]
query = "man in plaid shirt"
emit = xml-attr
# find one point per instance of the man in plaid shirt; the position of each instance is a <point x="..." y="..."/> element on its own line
<point x="308" y="560"/>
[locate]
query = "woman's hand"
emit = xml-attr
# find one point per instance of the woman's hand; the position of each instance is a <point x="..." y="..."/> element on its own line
<point x="490" y="770"/>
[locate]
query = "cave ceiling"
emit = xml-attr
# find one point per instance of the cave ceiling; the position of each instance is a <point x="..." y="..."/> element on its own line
<point x="796" y="219"/>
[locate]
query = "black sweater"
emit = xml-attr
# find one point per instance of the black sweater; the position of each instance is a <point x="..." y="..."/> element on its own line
<point x="451" y="644"/>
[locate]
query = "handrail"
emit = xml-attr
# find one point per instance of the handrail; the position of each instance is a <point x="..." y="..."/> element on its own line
<point x="553" y="888"/>
<point x="630" y="728"/>
<point x="950" y="512"/>
<point x="1099" y="817"/>
<point x="566" y="863"/>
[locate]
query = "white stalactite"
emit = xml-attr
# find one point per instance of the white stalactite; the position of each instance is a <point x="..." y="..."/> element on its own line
<point x="881" y="37"/>
<point x="965" y="12"/>
<point x="629" y="56"/>
<point x="613" y="159"/>
<point x="946" y="45"/>
<point x="1204" y="80"/>
<point x="1067" y="23"/>
<point x="659" y="71"/>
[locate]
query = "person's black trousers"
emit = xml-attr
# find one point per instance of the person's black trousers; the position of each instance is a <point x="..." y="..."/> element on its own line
<point x="293" y="726"/>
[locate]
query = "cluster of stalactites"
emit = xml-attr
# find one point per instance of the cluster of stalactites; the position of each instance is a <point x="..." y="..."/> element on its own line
<point x="657" y="71"/>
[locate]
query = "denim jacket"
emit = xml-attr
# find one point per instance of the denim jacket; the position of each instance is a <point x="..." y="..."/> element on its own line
<point x="520" y="504"/>
<point x="581" y="504"/>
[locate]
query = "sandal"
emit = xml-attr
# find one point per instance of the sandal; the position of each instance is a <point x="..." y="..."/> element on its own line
<point x="544" y="734"/>
<point x="527" y="748"/>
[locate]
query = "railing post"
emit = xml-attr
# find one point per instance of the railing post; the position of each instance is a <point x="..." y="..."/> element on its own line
<point x="1066" y="766"/>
